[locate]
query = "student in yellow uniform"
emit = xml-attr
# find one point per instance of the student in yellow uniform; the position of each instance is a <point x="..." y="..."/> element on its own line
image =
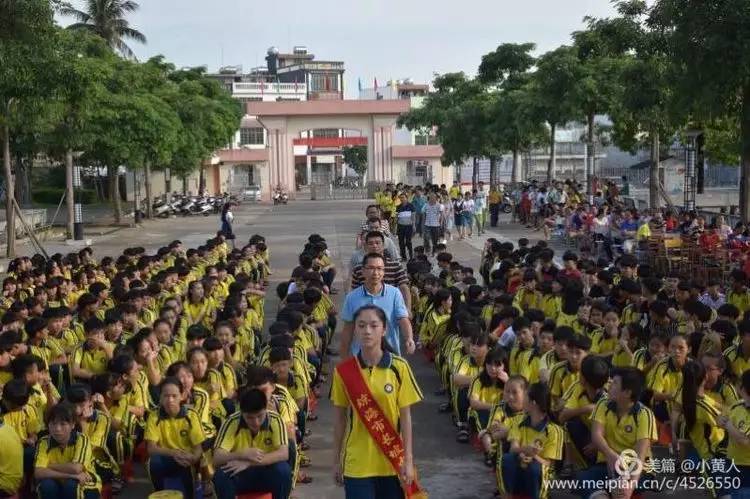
<point x="694" y="417"/>
<point x="359" y="462"/>
<point x="17" y="413"/>
<point x="578" y="404"/>
<point x="467" y="369"/>
<point x="739" y="295"/>
<point x="667" y="377"/>
<point x="11" y="461"/>
<point x="536" y="443"/>
<point x="524" y="356"/>
<point x="174" y="435"/>
<point x="717" y="387"/>
<point x="567" y="373"/>
<point x="209" y="380"/>
<point x="605" y="340"/>
<point x="619" y="422"/>
<point x="64" y="467"/>
<point x="503" y="417"/>
<point x="559" y="352"/>
<point x="737" y="426"/>
<point x="92" y="356"/>
<point x="215" y="351"/>
<point x="486" y="390"/>
<point x="738" y="356"/>
<point x="199" y="309"/>
<point x="252" y="451"/>
<point x="432" y="329"/>
<point x="95" y="425"/>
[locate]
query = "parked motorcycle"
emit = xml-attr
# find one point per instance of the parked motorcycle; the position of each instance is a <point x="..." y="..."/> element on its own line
<point x="506" y="206"/>
<point x="280" y="196"/>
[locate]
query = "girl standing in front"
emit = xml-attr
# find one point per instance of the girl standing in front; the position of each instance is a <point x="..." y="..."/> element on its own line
<point x="361" y="464"/>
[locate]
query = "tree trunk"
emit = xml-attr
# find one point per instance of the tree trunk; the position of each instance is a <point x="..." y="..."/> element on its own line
<point x="745" y="172"/>
<point x="474" y="173"/>
<point x="590" y="155"/>
<point x="114" y="191"/>
<point x="184" y="185"/>
<point x="201" y="180"/>
<point x="516" y="172"/>
<point x="69" y="192"/>
<point x="136" y="193"/>
<point x="10" y="215"/>
<point x="493" y="170"/>
<point x="653" y="174"/>
<point x="149" y="200"/>
<point x="552" y="165"/>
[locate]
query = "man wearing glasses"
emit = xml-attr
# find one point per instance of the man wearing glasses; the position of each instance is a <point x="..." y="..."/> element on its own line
<point x="374" y="291"/>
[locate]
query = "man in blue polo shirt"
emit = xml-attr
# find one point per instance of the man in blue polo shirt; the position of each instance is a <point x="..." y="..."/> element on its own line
<point x="375" y="292"/>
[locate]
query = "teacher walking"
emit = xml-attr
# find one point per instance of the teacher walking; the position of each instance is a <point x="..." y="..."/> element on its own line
<point x="227" y="217"/>
<point x="372" y="393"/>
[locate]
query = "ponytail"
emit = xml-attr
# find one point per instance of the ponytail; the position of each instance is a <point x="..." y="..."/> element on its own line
<point x="693" y="375"/>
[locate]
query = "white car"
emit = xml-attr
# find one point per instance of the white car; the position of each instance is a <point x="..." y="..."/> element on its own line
<point x="251" y="193"/>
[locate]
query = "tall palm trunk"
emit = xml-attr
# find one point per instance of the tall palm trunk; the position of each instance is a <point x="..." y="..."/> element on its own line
<point x="552" y="166"/>
<point x="10" y="219"/>
<point x="474" y="173"/>
<point x="516" y="172"/>
<point x="653" y="173"/>
<point x="69" y="192"/>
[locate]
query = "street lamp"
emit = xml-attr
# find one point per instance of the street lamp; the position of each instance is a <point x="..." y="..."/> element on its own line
<point x="77" y="209"/>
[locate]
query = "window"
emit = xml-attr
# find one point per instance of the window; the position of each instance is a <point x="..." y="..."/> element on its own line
<point x="326" y="132"/>
<point x="326" y="82"/>
<point x="426" y="140"/>
<point x="251" y="136"/>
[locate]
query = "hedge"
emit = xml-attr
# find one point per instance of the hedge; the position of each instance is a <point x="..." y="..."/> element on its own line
<point x="52" y="195"/>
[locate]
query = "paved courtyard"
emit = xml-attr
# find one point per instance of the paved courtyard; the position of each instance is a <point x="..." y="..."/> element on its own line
<point x="447" y="469"/>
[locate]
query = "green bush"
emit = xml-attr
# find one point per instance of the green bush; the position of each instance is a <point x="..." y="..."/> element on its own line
<point x="52" y="195"/>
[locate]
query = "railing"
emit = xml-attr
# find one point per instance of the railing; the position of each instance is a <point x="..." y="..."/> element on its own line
<point x="325" y="192"/>
<point x="280" y="88"/>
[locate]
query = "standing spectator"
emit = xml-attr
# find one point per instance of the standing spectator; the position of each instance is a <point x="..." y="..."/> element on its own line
<point x="419" y="201"/>
<point x="458" y="219"/>
<point x="480" y="208"/>
<point x="433" y="222"/>
<point x="405" y="227"/>
<point x="374" y="291"/>
<point x="467" y="214"/>
<point x="495" y="198"/>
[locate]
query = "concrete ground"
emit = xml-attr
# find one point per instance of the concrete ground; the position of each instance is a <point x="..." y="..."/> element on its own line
<point x="447" y="469"/>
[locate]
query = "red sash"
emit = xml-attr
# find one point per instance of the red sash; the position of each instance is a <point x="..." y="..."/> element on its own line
<point x="372" y="417"/>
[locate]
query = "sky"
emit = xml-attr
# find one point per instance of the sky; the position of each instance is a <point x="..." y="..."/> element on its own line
<point x="385" y="39"/>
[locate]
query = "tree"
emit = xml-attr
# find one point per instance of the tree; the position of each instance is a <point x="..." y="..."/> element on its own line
<point x="356" y="158"/>
<point x="710" y="40"/>
<point x="553" y="87"/>
<point x="106" y="18"/>
<point x="26" y="48"/>
<point x="600" y="55"/>
<point x="644" y="107"/>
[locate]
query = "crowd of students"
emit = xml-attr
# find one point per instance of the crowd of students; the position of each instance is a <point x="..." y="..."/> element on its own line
<point x="555" y="371"/>
<point x="159" y="358"/>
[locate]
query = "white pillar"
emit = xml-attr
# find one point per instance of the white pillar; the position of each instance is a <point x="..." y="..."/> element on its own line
<point x="309" y="168"/>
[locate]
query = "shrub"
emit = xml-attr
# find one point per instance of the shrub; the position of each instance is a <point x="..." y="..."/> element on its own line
<point x="52" y="195"/>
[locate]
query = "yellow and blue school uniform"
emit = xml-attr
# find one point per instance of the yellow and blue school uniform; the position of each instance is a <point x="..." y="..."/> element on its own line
<point x="525" y="362"/>
<point x="11" y="466"/>
<point x="513" y="477"/>
<point x="77" y="450"/>
<point x="490" y="394"/>
<point x="526" y="299"/>
<point x="724" y="396"/>
<point x="503" y="415"/>
<point x="602" y="344"/>
<point x="561" y="378"/>
<point x="624" y="432"/>
<point x="736" y="361"/>
<point x="393" y="388"/>
<point x="91" y="359"/>
<point x="97" y="428"/>
<point x="707" y="437"/>
<point x="235" y="435"/>
<point x="740" y="300"/>
<point x="739" y="416"/>
<point x="667" y="379"/>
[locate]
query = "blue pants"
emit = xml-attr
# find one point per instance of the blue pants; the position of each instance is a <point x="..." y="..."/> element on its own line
<point x="275" y="478"/>
<point x="162" y="468"/>
<point x="50" y="488"/>
<point x="377" y="487"/>
<point x="518" y="480"/>
<point x="580" y="435"/>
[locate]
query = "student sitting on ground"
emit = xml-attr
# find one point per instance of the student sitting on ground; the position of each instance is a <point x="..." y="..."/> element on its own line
<point x="536" y="443"/>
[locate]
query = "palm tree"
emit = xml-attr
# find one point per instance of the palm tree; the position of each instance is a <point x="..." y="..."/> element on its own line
<point x="106" y="18"/>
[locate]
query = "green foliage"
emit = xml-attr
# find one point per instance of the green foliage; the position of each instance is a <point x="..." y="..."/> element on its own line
<point x="52" y="195"/>
<point x="356" y="158"/>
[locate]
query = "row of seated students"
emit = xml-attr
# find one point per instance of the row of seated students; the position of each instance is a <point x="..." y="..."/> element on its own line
<point x="553" y="372"/>
<point x="157" y="358"/>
